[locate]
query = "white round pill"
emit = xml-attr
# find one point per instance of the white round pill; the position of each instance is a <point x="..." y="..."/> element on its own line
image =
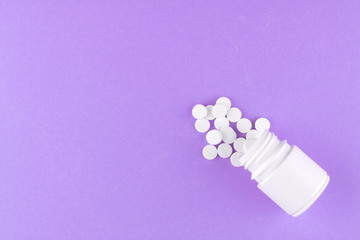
<point x="252" y="134"/>
<point x="225" y="101"/>
<point x="209" y="115"/>
<point x="239" y="144"/>
<point x="214" y="137"/>
<point x="243" y="125"/>
<point x="221" y="122"/>
<point x="209" y="152"/>
<point x="262" y="124"/>
<point x="219" y="110"/>
<point x="248" y="143"/>
<point x="202" y="125"/>
<point x="233" y="114"/>
<point x="199" y="111"/>
<point x="236" y="160"/>
<point x="229" y="135"/>
<point x="224" y="150"/>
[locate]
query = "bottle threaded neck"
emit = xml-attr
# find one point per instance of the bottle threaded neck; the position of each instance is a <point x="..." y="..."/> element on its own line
<point x="265" y="155"/>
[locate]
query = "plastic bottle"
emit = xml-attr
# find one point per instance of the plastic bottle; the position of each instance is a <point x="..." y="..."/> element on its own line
<point x="284" y="173"/>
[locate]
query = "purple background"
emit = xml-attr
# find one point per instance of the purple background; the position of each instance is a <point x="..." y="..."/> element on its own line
<point x="97" y="140"/>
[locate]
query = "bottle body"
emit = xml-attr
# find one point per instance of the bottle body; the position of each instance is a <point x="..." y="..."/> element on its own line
<point x="285" y="174"/>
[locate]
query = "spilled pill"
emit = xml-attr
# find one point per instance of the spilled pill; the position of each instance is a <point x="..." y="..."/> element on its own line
<point x="221" y="122"/>
<point x="225" y="101"/>
<point x="239" y="144"/>
<point x="235" y="159"/>
<point x="199" y="111"/>
<point x="252" y="134"/>
<point x="233" y="114"/>
<point x="219" y="110"/>
<point x="262" y="124"/>
<point x="202" y="125"/>
<point x="229" y="135"/>
<point x="243" y="125"/>
<point x="209" y="152"/>
<point x="224" y="150"/>
<point x="214" y="137"/>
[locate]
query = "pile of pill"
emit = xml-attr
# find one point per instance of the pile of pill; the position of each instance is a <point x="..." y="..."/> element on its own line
<point x="223" y="138"/>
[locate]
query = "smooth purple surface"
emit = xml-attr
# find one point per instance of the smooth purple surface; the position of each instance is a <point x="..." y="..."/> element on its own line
<point x="97" y="140"/>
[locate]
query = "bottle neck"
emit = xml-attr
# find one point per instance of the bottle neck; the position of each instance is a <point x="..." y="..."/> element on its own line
<point x="265" y="155"/>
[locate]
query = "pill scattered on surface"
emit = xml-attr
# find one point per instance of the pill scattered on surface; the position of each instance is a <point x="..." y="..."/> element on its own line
<point x="219" y="110"/>
<point x="235" y="159"/>
<point x="214" y="137"/>
<point x="209" y="115"/>
<point x="199" y="111"/>
<point x="262" y="124"/>
<point x="224" y="135"/>
<point x="202" y="125"/>
<point x="225" y="101"/>
<point x="252" y="134"/>
<point x="209" y="152"/>
<point x="221" y="122"/>
<point x="239" y="144"/>
<point x="229" y="135"/>
<point x="233" y="114"/>
<point x="248" y="143"/>
<point x="224" y="150"/>
<point x="244" y="125"/>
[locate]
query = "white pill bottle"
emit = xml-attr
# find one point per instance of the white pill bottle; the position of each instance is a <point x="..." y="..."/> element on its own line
<point x="284" y="173"/>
